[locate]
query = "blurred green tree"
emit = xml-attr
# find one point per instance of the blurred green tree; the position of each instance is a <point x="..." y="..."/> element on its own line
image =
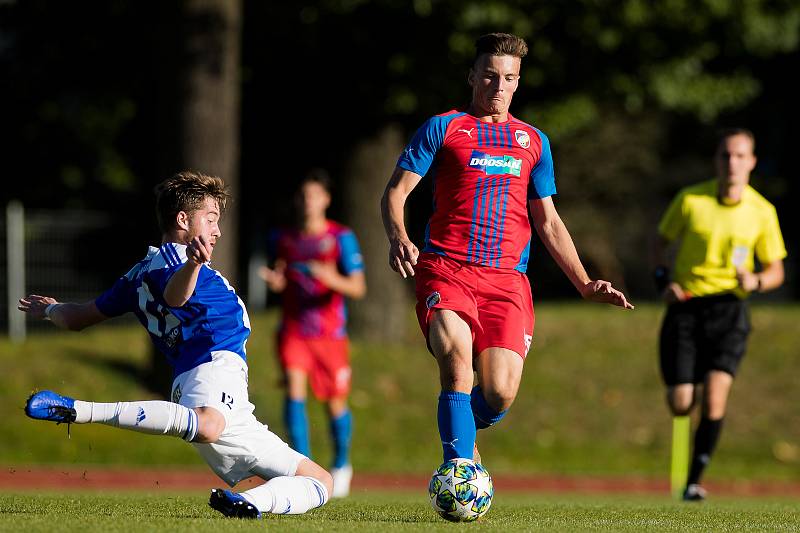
<point x="96" y="98"/>
<point x="199" y="98"/>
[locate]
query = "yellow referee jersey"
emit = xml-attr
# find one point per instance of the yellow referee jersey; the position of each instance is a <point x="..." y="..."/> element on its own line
<point x="715" y="239"/>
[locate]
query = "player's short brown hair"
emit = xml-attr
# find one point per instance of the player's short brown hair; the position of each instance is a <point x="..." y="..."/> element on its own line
<point x="186" y="191"/>
<point x="500" y="44"/>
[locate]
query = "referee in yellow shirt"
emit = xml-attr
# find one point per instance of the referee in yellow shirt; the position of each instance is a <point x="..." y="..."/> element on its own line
<point x="716" y="228"/>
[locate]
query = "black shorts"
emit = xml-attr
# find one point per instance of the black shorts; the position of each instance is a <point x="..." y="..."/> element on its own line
<point x="703" y="334"/>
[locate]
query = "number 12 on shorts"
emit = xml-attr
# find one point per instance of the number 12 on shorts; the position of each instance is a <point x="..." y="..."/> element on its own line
<point x="227" y="400"/>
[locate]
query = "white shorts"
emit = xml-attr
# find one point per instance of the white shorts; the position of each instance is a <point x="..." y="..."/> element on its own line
<point x="246" y="447"/>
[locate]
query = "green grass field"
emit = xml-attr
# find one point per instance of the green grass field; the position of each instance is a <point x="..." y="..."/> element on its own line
<point x="590" y="404"/>
<point x="591" y="401"/>
<point x="392" y="512"/>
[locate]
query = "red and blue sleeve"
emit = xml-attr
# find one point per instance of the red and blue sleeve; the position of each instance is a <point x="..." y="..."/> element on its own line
<point x="421" y="151"/>
<point x="350" y="259"/>
<point x="542" y="180"/>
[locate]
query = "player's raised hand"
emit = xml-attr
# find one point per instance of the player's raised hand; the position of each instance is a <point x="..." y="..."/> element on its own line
<point x="403" y="256"/>
<point x="35" y="305"/>
<point x="199" y="250"/>
<point x="275" y="278"/>
<point x="603" y="292"/>
<point x="324" y="271"/>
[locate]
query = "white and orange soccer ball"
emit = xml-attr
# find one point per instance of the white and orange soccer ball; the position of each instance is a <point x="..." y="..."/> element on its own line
<point x="461" y="490"/>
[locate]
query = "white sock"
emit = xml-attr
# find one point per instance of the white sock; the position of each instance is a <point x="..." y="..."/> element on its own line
<point x="153" y="416"/>
<point x="287" y="495"/>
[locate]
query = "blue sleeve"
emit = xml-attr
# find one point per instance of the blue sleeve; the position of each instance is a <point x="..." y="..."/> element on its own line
<point x="119" y="299"/>
<point x="421" y="151"/>
<point x="157" y="282"/>
<point x="204" y="278"/>
<point x="542" y="180"/>
<point x="350" y="259"/>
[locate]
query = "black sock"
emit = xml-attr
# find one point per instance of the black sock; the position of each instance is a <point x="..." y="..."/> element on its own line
<point x="705" y="440"/>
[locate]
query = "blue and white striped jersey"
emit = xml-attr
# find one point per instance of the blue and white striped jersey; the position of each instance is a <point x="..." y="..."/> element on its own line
<point x="213" y="319"/>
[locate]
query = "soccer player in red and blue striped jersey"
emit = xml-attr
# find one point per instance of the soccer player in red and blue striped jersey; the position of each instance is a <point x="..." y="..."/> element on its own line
<point x="317" y="264"/>
<point x="474" y="304"/>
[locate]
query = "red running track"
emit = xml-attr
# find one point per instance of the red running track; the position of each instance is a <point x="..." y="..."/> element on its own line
<point x="103" y="478"/>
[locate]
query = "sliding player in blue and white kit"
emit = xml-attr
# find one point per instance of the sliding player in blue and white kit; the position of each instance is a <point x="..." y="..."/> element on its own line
<point x="195" y="318"/>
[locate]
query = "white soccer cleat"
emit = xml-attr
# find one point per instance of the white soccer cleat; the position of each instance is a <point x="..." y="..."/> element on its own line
<point x="341" y="480"/>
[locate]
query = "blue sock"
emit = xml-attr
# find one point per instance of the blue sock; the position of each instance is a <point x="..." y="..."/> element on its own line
<point x="296" y="419"/>
<point x="456" y="425"/>
<point x="341" y="433"/>
<point x="484" y="415"/>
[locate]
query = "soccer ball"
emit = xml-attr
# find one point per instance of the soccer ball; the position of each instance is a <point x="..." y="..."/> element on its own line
<point x="461" y="490"/>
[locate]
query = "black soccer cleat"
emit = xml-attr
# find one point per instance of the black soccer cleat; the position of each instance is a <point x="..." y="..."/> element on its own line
<point x="232" y="505"/>
<point x="694" y="493"/>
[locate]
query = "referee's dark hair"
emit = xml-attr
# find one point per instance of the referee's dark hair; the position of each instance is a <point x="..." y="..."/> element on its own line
<point x="726" y="133"/>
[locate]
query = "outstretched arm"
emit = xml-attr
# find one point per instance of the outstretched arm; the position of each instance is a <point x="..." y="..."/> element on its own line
<point x="402" y="252"/>
<point x="70" y="316"/>
<point x="558" y="241"/>
<point x="274" y="277"/>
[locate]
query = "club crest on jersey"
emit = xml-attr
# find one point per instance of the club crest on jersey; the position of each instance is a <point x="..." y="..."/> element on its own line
<point x="522" y="137"/>
<point x="327" y="244"/>
<point x="495" y="164"/>
<point x="433" y="299"/>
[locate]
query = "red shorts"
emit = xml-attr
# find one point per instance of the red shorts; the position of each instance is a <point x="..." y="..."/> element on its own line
<point x="325" y="360"/>
<point x="496" y="304"/>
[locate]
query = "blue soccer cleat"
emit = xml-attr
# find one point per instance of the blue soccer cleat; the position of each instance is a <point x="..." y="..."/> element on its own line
<point x="232" y="505"/>
<point x="48" y="405"/>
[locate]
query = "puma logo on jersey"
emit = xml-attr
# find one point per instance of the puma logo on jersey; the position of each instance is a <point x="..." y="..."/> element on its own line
<point x="527" y="340"/>
<point x="468" y="132"/>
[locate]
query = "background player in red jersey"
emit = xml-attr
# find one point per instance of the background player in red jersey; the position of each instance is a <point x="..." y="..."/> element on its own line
<point x="316" y="265"/>
<point x="474" y="303"/>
